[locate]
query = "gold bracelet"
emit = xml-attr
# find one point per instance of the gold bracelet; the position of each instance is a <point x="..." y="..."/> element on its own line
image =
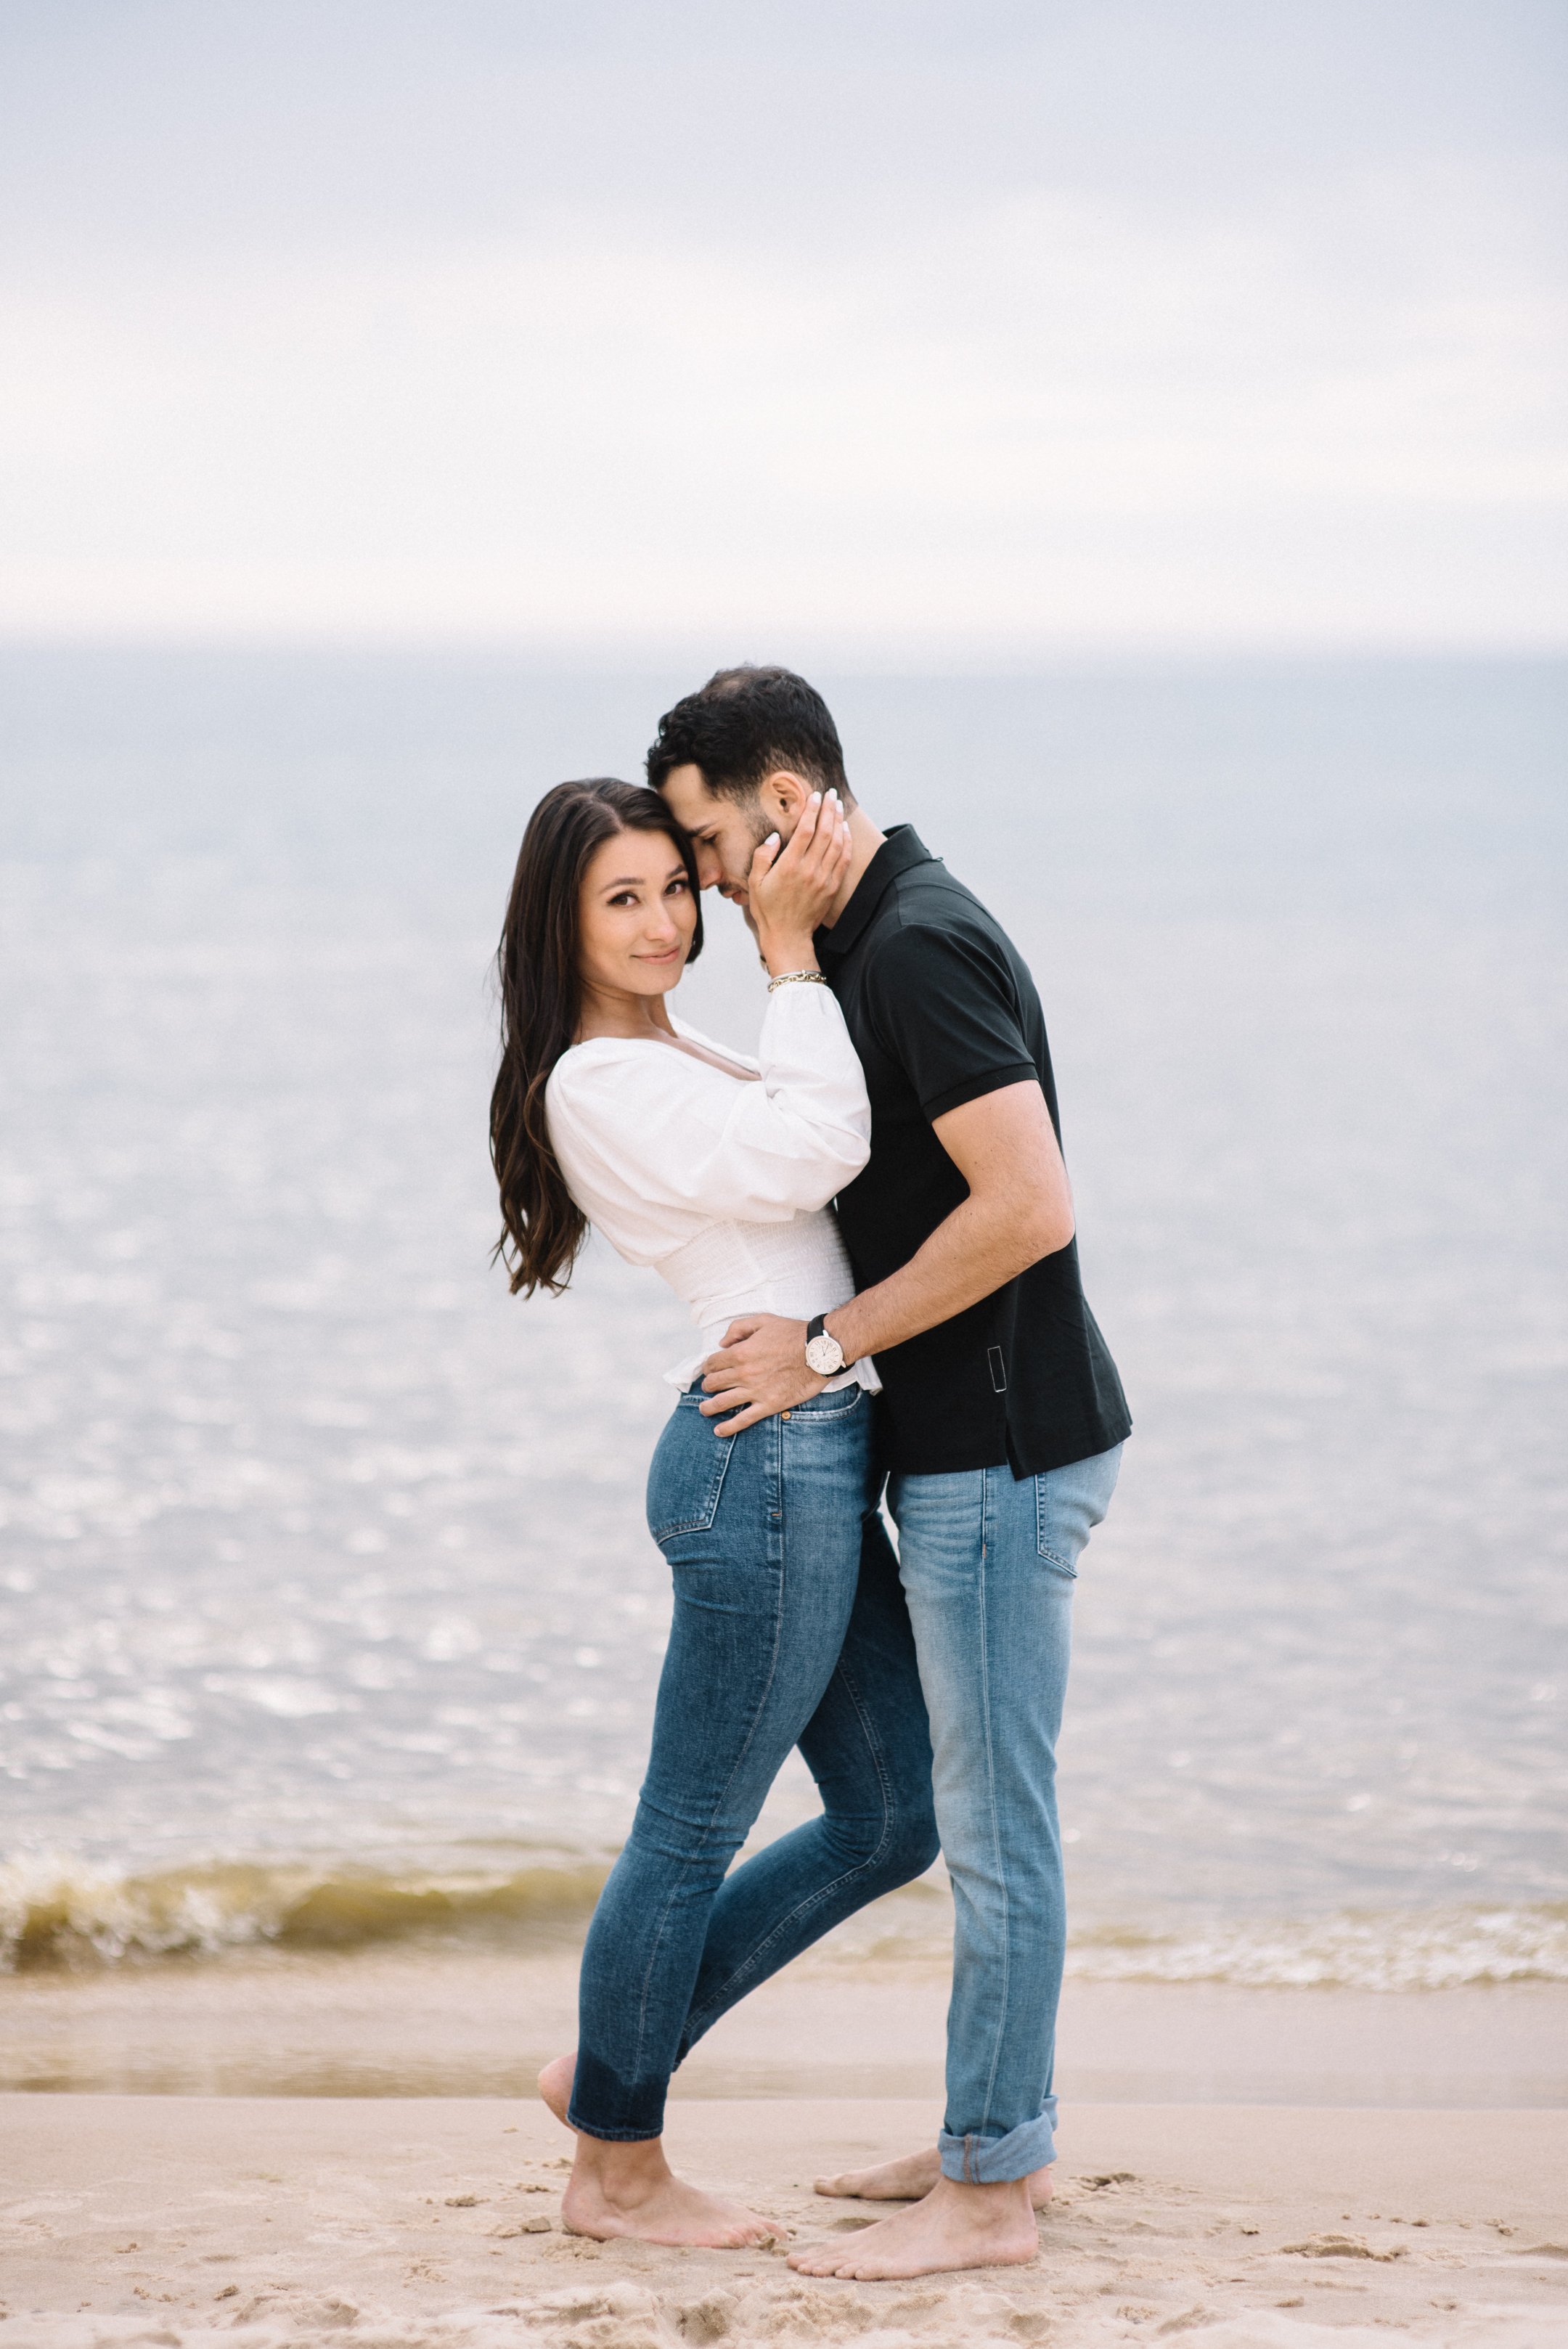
<point x="797" y="978"/>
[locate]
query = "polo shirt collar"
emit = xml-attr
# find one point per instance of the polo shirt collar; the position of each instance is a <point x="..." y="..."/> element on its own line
<point x="902" y="849"/>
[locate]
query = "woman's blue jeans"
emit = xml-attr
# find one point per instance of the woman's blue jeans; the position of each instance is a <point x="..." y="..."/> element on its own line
<point x="790" y="1629"/>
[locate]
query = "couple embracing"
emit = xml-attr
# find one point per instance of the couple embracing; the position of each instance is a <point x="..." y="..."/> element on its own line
<point x="871" y="1224"/>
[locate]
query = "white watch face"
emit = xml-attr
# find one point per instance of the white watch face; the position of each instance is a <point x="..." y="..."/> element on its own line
<point x="824" y="1355"/>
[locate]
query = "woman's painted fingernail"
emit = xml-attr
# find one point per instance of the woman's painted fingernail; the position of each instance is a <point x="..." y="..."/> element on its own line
<point x="772" y="840"/>
<point x="816" y="799"/>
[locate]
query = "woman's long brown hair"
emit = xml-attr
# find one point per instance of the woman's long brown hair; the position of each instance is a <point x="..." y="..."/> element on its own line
<point x="541" y="1002"/>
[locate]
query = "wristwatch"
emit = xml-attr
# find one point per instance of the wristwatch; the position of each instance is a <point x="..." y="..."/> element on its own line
<point x="824" y="1354"/>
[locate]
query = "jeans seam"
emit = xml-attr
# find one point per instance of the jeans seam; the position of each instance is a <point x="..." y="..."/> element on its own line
<point x="986" y="1474"/>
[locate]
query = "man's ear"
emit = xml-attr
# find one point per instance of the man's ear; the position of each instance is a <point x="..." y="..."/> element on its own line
<point x="783" y="795"/>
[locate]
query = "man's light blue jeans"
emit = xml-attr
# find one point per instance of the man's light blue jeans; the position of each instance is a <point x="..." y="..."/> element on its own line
<point x="988" y="1562"/>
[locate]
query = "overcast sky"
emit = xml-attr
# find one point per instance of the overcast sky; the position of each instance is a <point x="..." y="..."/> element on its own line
<point x="968" y="329"/>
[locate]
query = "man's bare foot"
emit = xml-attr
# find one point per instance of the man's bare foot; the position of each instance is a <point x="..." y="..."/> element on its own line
<point x="631" y="2190"/>
<point x="954" y="2226"/>
<point x="908" y="2179"/>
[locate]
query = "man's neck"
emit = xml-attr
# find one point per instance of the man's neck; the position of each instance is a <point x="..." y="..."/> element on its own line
<point x="864" y="840"/>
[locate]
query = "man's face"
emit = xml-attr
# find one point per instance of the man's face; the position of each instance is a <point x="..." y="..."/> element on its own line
<point x="726" y="832"/>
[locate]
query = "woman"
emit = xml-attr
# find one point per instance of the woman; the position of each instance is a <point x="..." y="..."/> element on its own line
<point x="789" y="1627"/>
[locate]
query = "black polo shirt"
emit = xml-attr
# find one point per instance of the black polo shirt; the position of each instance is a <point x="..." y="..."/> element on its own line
<point x="941" y="1010"/>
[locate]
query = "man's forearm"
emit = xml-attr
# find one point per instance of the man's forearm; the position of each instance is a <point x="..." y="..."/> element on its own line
<point x="1018" y="1209"/>
<point x="973" y="1252"/>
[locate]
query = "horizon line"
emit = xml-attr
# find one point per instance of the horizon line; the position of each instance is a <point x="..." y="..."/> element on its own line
<point x="935" y="653"/>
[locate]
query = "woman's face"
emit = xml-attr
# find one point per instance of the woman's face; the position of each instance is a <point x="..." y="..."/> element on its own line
<point x="638" y="915"/>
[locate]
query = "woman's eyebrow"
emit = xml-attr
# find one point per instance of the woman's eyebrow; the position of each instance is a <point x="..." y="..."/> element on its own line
<point x="636" y="880"/>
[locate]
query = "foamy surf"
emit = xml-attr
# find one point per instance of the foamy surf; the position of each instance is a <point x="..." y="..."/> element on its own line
<point x="1399" y="1949"/>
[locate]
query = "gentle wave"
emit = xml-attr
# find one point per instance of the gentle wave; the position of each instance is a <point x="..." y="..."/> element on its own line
<point x="53" y="1915"/>
<point x="58" y="1913"/>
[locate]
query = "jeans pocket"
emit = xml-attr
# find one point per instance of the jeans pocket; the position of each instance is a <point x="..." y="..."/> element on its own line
<point x="686" y="1476"/>
<point x="1069" y="1503"/>
<point x="1052" y="1539"/>
<point x="836" y="1405"/>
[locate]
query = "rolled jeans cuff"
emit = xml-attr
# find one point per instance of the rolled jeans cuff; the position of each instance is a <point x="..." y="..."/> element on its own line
<point x="996" y="2160"/>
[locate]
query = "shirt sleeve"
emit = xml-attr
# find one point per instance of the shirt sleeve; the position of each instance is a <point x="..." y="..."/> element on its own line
<point x="655" y="1126"/>
<point x="942" y="1004"/>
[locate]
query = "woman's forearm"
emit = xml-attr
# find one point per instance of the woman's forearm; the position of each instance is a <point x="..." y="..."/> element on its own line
<point x="786" y="950"/>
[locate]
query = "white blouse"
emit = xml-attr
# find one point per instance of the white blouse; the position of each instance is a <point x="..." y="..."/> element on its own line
<point x="722" y="1182"/>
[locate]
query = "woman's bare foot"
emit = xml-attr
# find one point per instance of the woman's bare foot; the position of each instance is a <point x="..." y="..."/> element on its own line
<point x="954" y="2226"/>
<point x="908" y="2179"/>
<point x="555" y="2084"/>
<point x="631" y="2190"/>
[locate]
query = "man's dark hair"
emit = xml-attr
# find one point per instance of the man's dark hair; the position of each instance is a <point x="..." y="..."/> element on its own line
<point x="742" y="726"/>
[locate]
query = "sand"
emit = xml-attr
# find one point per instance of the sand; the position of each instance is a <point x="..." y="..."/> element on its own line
<point x="423" y="2023"/>
<point x="339" y="2147"/>
<point x="165" y="2219"/>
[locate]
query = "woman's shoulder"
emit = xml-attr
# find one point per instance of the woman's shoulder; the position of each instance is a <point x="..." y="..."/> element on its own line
<point x="614" y="1074"/>
<point x="583" y="1069"/>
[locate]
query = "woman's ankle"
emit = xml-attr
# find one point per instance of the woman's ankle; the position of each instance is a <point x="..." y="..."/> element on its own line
<point x="612" y="2161"/>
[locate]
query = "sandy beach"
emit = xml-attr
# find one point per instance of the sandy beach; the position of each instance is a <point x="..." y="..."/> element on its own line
<point x="1252" y="2166"/>
<point x="165" y="2219"/>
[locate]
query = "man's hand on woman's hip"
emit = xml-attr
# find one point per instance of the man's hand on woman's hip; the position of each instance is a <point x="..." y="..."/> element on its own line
<point x="758" y="1370"/>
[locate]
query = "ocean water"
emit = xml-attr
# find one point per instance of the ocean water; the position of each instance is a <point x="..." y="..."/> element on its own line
<point x="327" y="1608"/>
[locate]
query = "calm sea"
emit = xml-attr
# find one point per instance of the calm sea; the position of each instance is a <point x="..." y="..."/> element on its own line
<point x="327" y="1608"/>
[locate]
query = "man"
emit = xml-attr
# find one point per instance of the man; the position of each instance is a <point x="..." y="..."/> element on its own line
<point x="1001" y="1416"/>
